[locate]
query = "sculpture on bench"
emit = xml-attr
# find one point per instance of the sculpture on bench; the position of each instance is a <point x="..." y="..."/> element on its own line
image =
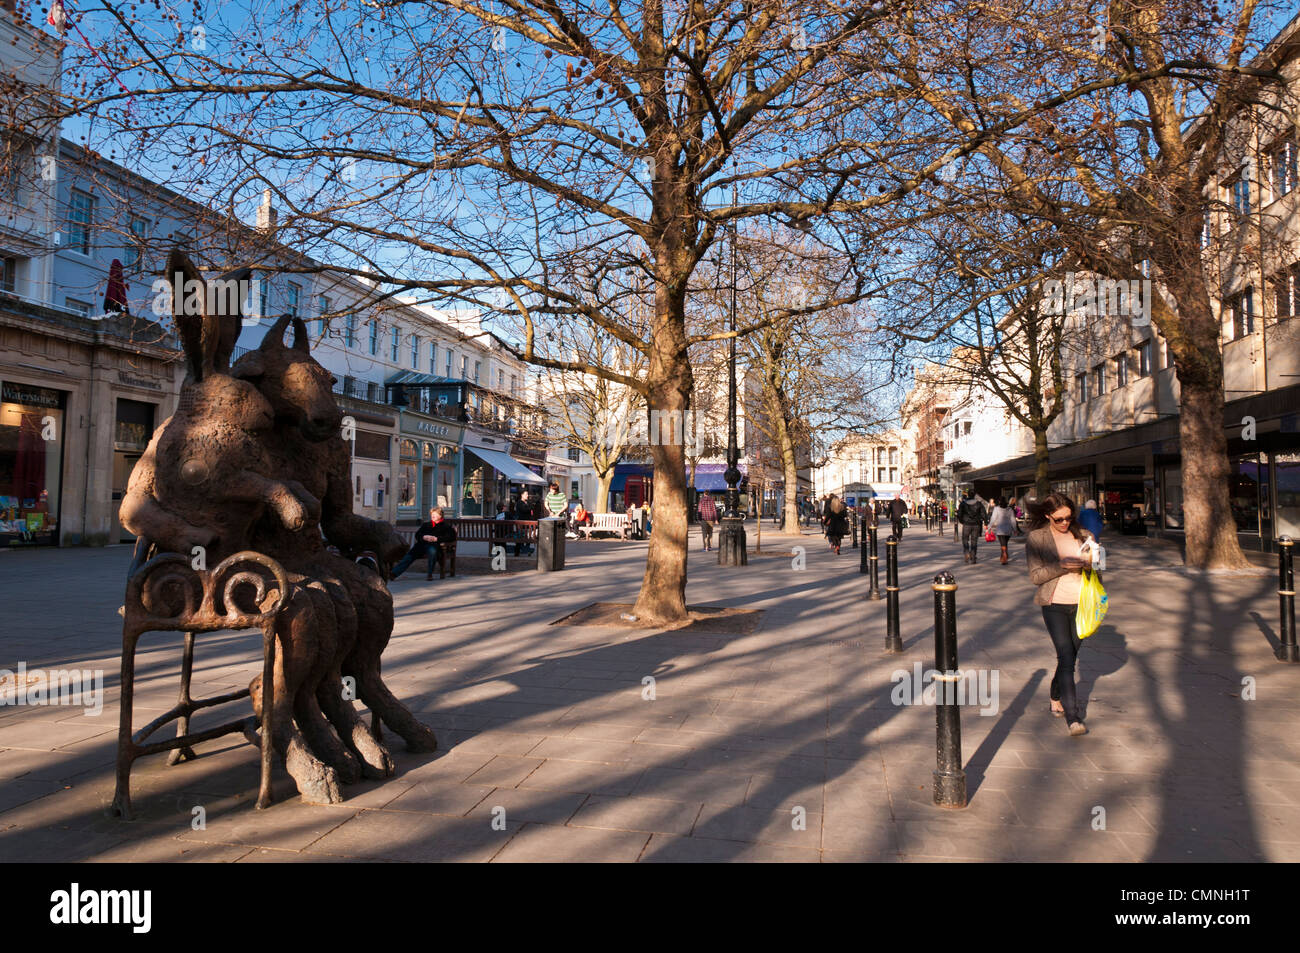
<point x="254" y="460"/>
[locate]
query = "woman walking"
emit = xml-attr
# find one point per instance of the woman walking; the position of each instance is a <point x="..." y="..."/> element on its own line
<point x="1054" y="551"/>
<point x="1003" y="525"/>
<point x="837" y="522"/>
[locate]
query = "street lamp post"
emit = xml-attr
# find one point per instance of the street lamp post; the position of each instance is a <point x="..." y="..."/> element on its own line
<point x="731" y="537"/>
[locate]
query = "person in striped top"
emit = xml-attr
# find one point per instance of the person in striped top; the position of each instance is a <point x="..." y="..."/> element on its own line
<point x="557" y="504"/>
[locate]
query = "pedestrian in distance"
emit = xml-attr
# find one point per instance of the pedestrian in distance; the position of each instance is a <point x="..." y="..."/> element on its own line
<point x="1003" y="525"/>
<point x="971" y="517"/>
<point x="557" y="504"/>
<point x="707" y="511"/>
<point x="1055" y="553"/>
<point x="1091" y="520"/>
<point x="836" y="517"/>
<point x="525" y="510"/>
<point x="897" y="511"/>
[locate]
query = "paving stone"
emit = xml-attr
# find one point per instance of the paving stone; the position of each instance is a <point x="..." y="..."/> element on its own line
<point x="394" y="835"/>
<point x="654" y="815"/>
<point x="545" y="844"/>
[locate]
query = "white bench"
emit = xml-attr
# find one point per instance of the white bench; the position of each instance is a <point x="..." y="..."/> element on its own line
<point x="616" y="523"/>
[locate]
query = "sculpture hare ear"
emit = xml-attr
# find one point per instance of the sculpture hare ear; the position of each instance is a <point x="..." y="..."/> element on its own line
<point x="227" y="293"/>
<point x="188" y="311"/>
<point x="300" y="339"/>
<point x="275" y="334"/>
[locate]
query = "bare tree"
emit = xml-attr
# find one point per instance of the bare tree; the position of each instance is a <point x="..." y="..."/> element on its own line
<point x="1122" y="172"/>
<point x="450" y="148"/>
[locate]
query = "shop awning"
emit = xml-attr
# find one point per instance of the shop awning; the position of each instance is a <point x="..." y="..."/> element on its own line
<point x="507" y="466"/>
<point x="709" y="476"/>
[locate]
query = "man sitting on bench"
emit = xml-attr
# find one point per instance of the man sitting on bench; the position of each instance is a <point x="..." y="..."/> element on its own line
<point x="430" y="539"/>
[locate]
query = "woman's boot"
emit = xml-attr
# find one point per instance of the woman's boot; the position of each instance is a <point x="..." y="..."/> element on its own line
<point x="1004" y="554"/>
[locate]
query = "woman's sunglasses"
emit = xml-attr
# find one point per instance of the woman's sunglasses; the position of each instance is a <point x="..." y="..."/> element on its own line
<point x="1058" y="520"/>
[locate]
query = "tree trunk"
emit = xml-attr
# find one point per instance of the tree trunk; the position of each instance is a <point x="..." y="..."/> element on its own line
<point x="603" y="483"/>
<point x="1210" y="531"/>
<point x="1042" y="482"/>
<point x="668" y="378"/>
<point x="663" y="588"/>
<point x="790" y="465"/>
<point x="1209" y="527"/>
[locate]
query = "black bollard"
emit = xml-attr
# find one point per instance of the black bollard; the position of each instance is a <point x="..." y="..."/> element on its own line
<point x="949" y="778"/>
<point x="863" y="554"/>
<point x="893" y="641"/>
<point x="1288" y="651"/>
<point x="874" y="593"/>
<point x="854" y="517"/>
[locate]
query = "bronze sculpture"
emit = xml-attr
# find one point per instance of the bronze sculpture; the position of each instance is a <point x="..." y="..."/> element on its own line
<point x="254" y="460"/>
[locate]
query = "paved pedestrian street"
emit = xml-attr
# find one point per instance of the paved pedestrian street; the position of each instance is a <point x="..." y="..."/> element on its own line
<point x="784" y="744"/>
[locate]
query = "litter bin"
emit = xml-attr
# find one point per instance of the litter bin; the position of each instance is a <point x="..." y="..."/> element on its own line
<point x="550" y="545"/>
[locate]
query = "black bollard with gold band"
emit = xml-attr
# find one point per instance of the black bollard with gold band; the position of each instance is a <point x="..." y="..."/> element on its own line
<point x="1288" y="651"/>
<point x="893" y="641"/>
<point x="874" y="593"/>
<point x="949" y="778"/>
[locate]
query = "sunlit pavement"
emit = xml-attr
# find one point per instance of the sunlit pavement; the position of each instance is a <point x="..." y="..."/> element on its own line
<point x="784" y="744"/>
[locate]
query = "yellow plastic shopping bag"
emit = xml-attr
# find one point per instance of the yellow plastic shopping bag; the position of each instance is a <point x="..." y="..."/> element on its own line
<point x="1092" y="605"/>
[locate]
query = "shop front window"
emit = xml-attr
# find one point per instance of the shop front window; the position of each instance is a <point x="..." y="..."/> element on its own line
<point x="1244" y="482"/>
<point x="408" y="459"/>
<point x="1288" y="494"/>
<point x="31" y="463"/>
<point x="1173" y="498"/>
<point x="1078" y="489"/>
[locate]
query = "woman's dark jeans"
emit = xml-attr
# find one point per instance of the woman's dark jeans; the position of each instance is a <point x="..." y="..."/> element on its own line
<point x="1065" y="639"/>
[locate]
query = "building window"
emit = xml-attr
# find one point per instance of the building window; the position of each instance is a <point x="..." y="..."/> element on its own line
<point x="135" y="243"/>
<point x="1242" y="307"/>
<point x="372" y="392"/>
<point x="450" y="356"/>
<point x="81" y="213"/>
<point x="1099" y="380"/>
<point x="350" y="331"/>
<point x="295" y="290"/>
<point x="1282" y="166"/>
<point x="322" y="309"/>
<point x="477" y="367"/>
<point x="81" y="307"/>
<point x="1081" y="387"/>
<point x="575" y="454"/>
<point x="374" y="336"/>
<point x="433" y="357"/>
<point x="395" y="344"/>
<point x="1121" y="370"/>
<point x="501" y="380"/>
<point x="1207" y="227"/>
<point x="415" y="352"/>
<point x="464" y="367"/>
<point x="1239" y="194"/>
<point x="514" y="386"/>
<point x="1144" y="358"/>
<point x="1286" y="292"/>
<point x="263" y="297"/>
<point x="9" y="274"/>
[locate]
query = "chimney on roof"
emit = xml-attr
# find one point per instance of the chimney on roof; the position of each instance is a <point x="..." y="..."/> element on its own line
<point x="266" y="214"/>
